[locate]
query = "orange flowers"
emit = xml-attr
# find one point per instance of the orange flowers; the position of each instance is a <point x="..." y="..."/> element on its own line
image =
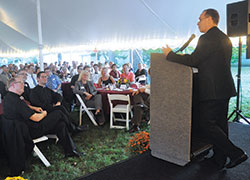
<point x="139" y="143"/>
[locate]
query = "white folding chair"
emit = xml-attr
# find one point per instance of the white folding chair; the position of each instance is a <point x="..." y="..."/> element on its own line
<point x="119" y="108"/>
<point x="84" y="108"/>
<point x="37" y="150"/>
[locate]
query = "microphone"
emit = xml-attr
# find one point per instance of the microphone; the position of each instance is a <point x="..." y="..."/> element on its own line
<point x="186" y="44"/>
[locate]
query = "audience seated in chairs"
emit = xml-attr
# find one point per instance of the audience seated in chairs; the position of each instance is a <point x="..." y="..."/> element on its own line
<point x="37" y="120"/>
<point x="141" y="74"/>
<point x="114" y="72"/>
<point x="105" y="79"/>
<point x="141" y="99"/>
<point x="88" y="92"/>
<point x="53" y="81"/>
<point x="50" y="101"/>
<point x="126" y="74"/>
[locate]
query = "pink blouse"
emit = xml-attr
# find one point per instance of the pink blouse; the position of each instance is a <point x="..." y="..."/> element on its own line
<point x="130" y="76"/>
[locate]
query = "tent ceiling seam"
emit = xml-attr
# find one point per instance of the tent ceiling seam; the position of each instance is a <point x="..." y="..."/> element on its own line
<point x="157" y="16"/>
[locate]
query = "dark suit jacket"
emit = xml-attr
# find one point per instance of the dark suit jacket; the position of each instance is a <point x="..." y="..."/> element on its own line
<point x="212" y="57"/>
<point x="44" y="97"/>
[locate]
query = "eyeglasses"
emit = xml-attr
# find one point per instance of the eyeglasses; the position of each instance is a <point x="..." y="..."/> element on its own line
<point x="43" y="76"/>
<point x="21" y="82"/>
<point x="201" y="19"/>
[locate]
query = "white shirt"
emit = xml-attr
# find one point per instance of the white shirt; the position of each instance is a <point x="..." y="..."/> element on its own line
<point x="147" y="90"/>
<point x="95" y="77"/>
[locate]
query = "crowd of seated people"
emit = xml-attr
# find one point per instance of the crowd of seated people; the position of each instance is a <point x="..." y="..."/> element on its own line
<point x="41" y="98"/>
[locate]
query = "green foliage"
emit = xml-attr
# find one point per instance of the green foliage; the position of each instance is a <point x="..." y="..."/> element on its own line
<point x="244" y="95"/>
<point x="147" y="53"/>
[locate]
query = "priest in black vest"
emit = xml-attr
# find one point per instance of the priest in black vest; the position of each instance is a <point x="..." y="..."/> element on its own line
<point x="49" y="100"/>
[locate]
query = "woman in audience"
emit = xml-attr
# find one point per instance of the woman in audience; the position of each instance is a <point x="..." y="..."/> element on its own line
<point x="88" y="92"/>
<point x="126" y="74"/>
<point x="105" y="78"/>
<point x="114" y="72"/>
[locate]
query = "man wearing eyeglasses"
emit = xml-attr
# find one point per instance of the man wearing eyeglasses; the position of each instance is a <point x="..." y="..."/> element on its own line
<point x="38" y="121"/>
<point x="212" y="57"/>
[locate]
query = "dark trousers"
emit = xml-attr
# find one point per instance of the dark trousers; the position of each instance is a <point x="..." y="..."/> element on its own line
<point x="67" y="118"/>
<point x="54" y="123"/>
<point x="214" y="125"/>
<point x="96" y="102"/>
<point x="141" y="98"/>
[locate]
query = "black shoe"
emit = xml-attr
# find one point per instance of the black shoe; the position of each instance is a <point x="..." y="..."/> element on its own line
<point x="74" y="153"/>
<point x="79" y="129"/>
<point x="237" y="161"/>
<point x="219" y="163"/>
<point x="133" y="129"/>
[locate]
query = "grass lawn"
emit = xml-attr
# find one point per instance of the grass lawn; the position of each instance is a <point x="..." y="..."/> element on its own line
<point x="102" y="146"/>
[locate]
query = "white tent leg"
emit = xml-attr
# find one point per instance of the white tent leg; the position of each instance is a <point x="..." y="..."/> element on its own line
<point x="40" y="37"/>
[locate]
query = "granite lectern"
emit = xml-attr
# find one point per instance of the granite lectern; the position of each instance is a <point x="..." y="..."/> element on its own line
<point x="171" y="115"/>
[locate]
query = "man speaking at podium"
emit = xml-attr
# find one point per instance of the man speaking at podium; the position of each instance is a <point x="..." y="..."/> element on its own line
<point x="212" y="57"/>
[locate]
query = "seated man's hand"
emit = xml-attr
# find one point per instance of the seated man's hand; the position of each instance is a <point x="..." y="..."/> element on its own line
<point x="88" y="96"/>
<point x="135" y="92"/>
<point x="44" y="112"/>
<point x="142" y="90"/>
<point x="38" y="109"/>
<point x="58" y="103"/>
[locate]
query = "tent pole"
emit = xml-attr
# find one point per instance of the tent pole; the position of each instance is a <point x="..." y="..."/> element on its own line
<point x="132" y="57"/>
<point x="40" y="37"/>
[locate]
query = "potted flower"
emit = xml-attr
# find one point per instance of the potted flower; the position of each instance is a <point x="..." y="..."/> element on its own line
<point x="139" y="143"/>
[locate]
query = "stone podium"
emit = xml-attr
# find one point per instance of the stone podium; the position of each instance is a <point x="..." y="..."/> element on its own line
<point x="171" y="111"/>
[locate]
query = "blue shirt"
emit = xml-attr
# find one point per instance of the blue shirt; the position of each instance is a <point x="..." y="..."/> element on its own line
<point x="53" y="82"/>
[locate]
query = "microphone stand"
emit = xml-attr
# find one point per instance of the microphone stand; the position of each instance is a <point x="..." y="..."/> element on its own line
<point x="237" y="110"/>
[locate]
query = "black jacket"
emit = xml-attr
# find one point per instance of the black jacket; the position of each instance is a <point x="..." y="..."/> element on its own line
<point x="44" y="97"/>
<point x="212" y="57"/>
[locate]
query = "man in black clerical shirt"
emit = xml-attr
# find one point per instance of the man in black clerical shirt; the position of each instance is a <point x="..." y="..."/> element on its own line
<point x="212" y="57"/>
<point x="38" y="121"/>
<point x="49" y="100"/>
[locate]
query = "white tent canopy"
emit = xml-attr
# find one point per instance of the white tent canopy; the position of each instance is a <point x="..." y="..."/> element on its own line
<point x="101" y="24"/>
